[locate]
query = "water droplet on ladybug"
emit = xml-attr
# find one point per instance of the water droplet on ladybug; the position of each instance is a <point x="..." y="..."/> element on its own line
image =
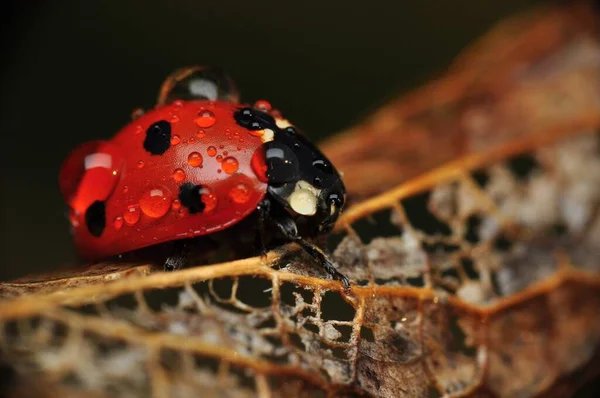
<point x="136" y="113"/>
<point x="219" y="158"/>
<point x="178" y="103"/>
<point x="179" y="175"/>
<point x="174" y="118"/>
<point x="240" y="193"/>
<point x="195" y="159"/>
<point x="205" y="119"/>
<point x="175" y="140"/>
<point x="118" y="222"/>
<point x="155" y="202"/>
<point x="230" y="165"/>
<point x="255" y="133"/>
<point x="140" y="164"/>
<point x="138" y="130"/>
<point x="211" y="150"/>
<point x="209" y="200"/>
<point x="176" y="205"/>
<point x="125" y="189"/>
<point x="192" y="140"/>
<point x="200" y="134"/>
<point x="89" y="174"/>
<point x="225" y="153"/>
<point x="73" y="219"/>
<point x="262" y="105"/>
<point x="132" y="215"/>
<point x="259" y="164"/>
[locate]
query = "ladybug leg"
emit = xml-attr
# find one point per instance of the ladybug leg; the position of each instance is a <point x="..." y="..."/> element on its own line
<point x="289" y="229"/>
<point x="264" y="208"/>
<point x="179" y="256"/>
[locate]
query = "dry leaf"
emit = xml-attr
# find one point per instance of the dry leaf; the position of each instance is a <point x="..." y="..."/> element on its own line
<point x="476" y="278"/>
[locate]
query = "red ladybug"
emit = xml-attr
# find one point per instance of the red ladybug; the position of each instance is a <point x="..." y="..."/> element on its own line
<point x="199" y="163"/>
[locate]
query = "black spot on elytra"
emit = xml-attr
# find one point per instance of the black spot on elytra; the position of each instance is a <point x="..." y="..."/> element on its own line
<point x="158" y="137"/>
<point x="95" y="218"/>
<point x="190" y="197"/>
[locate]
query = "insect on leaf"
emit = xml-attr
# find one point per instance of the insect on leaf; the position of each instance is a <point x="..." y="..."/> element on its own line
<point x="473" y="257"/>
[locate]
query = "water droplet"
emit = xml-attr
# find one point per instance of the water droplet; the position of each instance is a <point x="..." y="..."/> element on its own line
<point x="178" y="175"/>
<point x="221" y="146"/>
<point x="209" y="200"/>
<point x="225" y="153"/>
<point x="90" y="173"/>
<point x="195" y="159"/>
<point x="125" y="189"/>
<point x="200" y="134"/>
<point x="175" y="140"/>
<point x="132" y="215"/>
<point x="256" y="133"/>
<point x="73" y="218"/>
<point x="263" y="105"/>
<point x="219" y="158"/>
<point x="230" y="165"/>
<point x="174" y="118"/>
<point x="240" y="193"/>
<point x="205" y="119"/>
<point x="138" y="129"/>
<point x="155" y="202"/>
<point x="211" y="150"/>
<point x="176" y="205"/>
<point x="178" y="103"/>
<point x="184" y="142"/>
<point x="136" y="113"/>
<point x="192" y="140"/>
<point x="118" y="222"/>
<point x="140" y="164"/>
<point x="259" y="164"/>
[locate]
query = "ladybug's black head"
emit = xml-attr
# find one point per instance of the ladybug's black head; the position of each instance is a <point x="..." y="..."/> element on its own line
<point x="301" y="179"/>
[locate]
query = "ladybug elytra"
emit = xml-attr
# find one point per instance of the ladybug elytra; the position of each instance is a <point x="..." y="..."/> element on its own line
<point x="199" y="163"/>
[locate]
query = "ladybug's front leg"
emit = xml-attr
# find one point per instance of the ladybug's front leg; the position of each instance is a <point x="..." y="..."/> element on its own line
<point x="179" y="255"/>
<point x="264" y="209"/>
<point x="289" y="229"/>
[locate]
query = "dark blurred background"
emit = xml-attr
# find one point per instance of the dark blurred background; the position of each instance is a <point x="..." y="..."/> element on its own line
<point x="73" y="71"/>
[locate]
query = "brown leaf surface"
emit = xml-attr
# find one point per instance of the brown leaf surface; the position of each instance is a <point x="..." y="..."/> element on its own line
<point x="477" y="278"/>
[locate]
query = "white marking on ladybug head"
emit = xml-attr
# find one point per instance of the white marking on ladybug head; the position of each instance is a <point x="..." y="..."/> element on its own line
<point x="304" y="199"/>
<point x="282" y="123"/>
<point x="267" y="135"/>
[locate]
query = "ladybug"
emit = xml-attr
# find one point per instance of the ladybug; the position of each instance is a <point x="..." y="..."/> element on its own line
<point x="196" y="164"/>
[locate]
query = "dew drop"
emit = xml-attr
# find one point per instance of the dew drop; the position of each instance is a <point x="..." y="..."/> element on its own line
<point x="240" y="193"/>
<point x="211" y="150"/>
<point x="219" y="158"/>
<point x="132" y="215"/>
<point x="205" y="119"/>
<point x="136" y="113"/>
<point x="179" y="175"/>
<point x="90" y="173"/>
<point x="209" y="200"/>
<point x="225" y="153"/>
<point x="200" y="134"/>
<point x="125" y="189"/>
<point x="138" y="129"/>
<point x="176" y="205"/>
<point x="259" y="164"/>
<point x="174" y="118"/>
<point x="118" y="222"/>
<point x="192" y="140"/>
<point x="178" y="103"/>
<point x="175" y="140"/>
<point x="256" y="133"/>
<point x="155" y="202"/>
<point x="195" y="159"/>
<point x="140" y="164"/>
<point x="263" y="105"/>
<point x="230" y="165"/>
